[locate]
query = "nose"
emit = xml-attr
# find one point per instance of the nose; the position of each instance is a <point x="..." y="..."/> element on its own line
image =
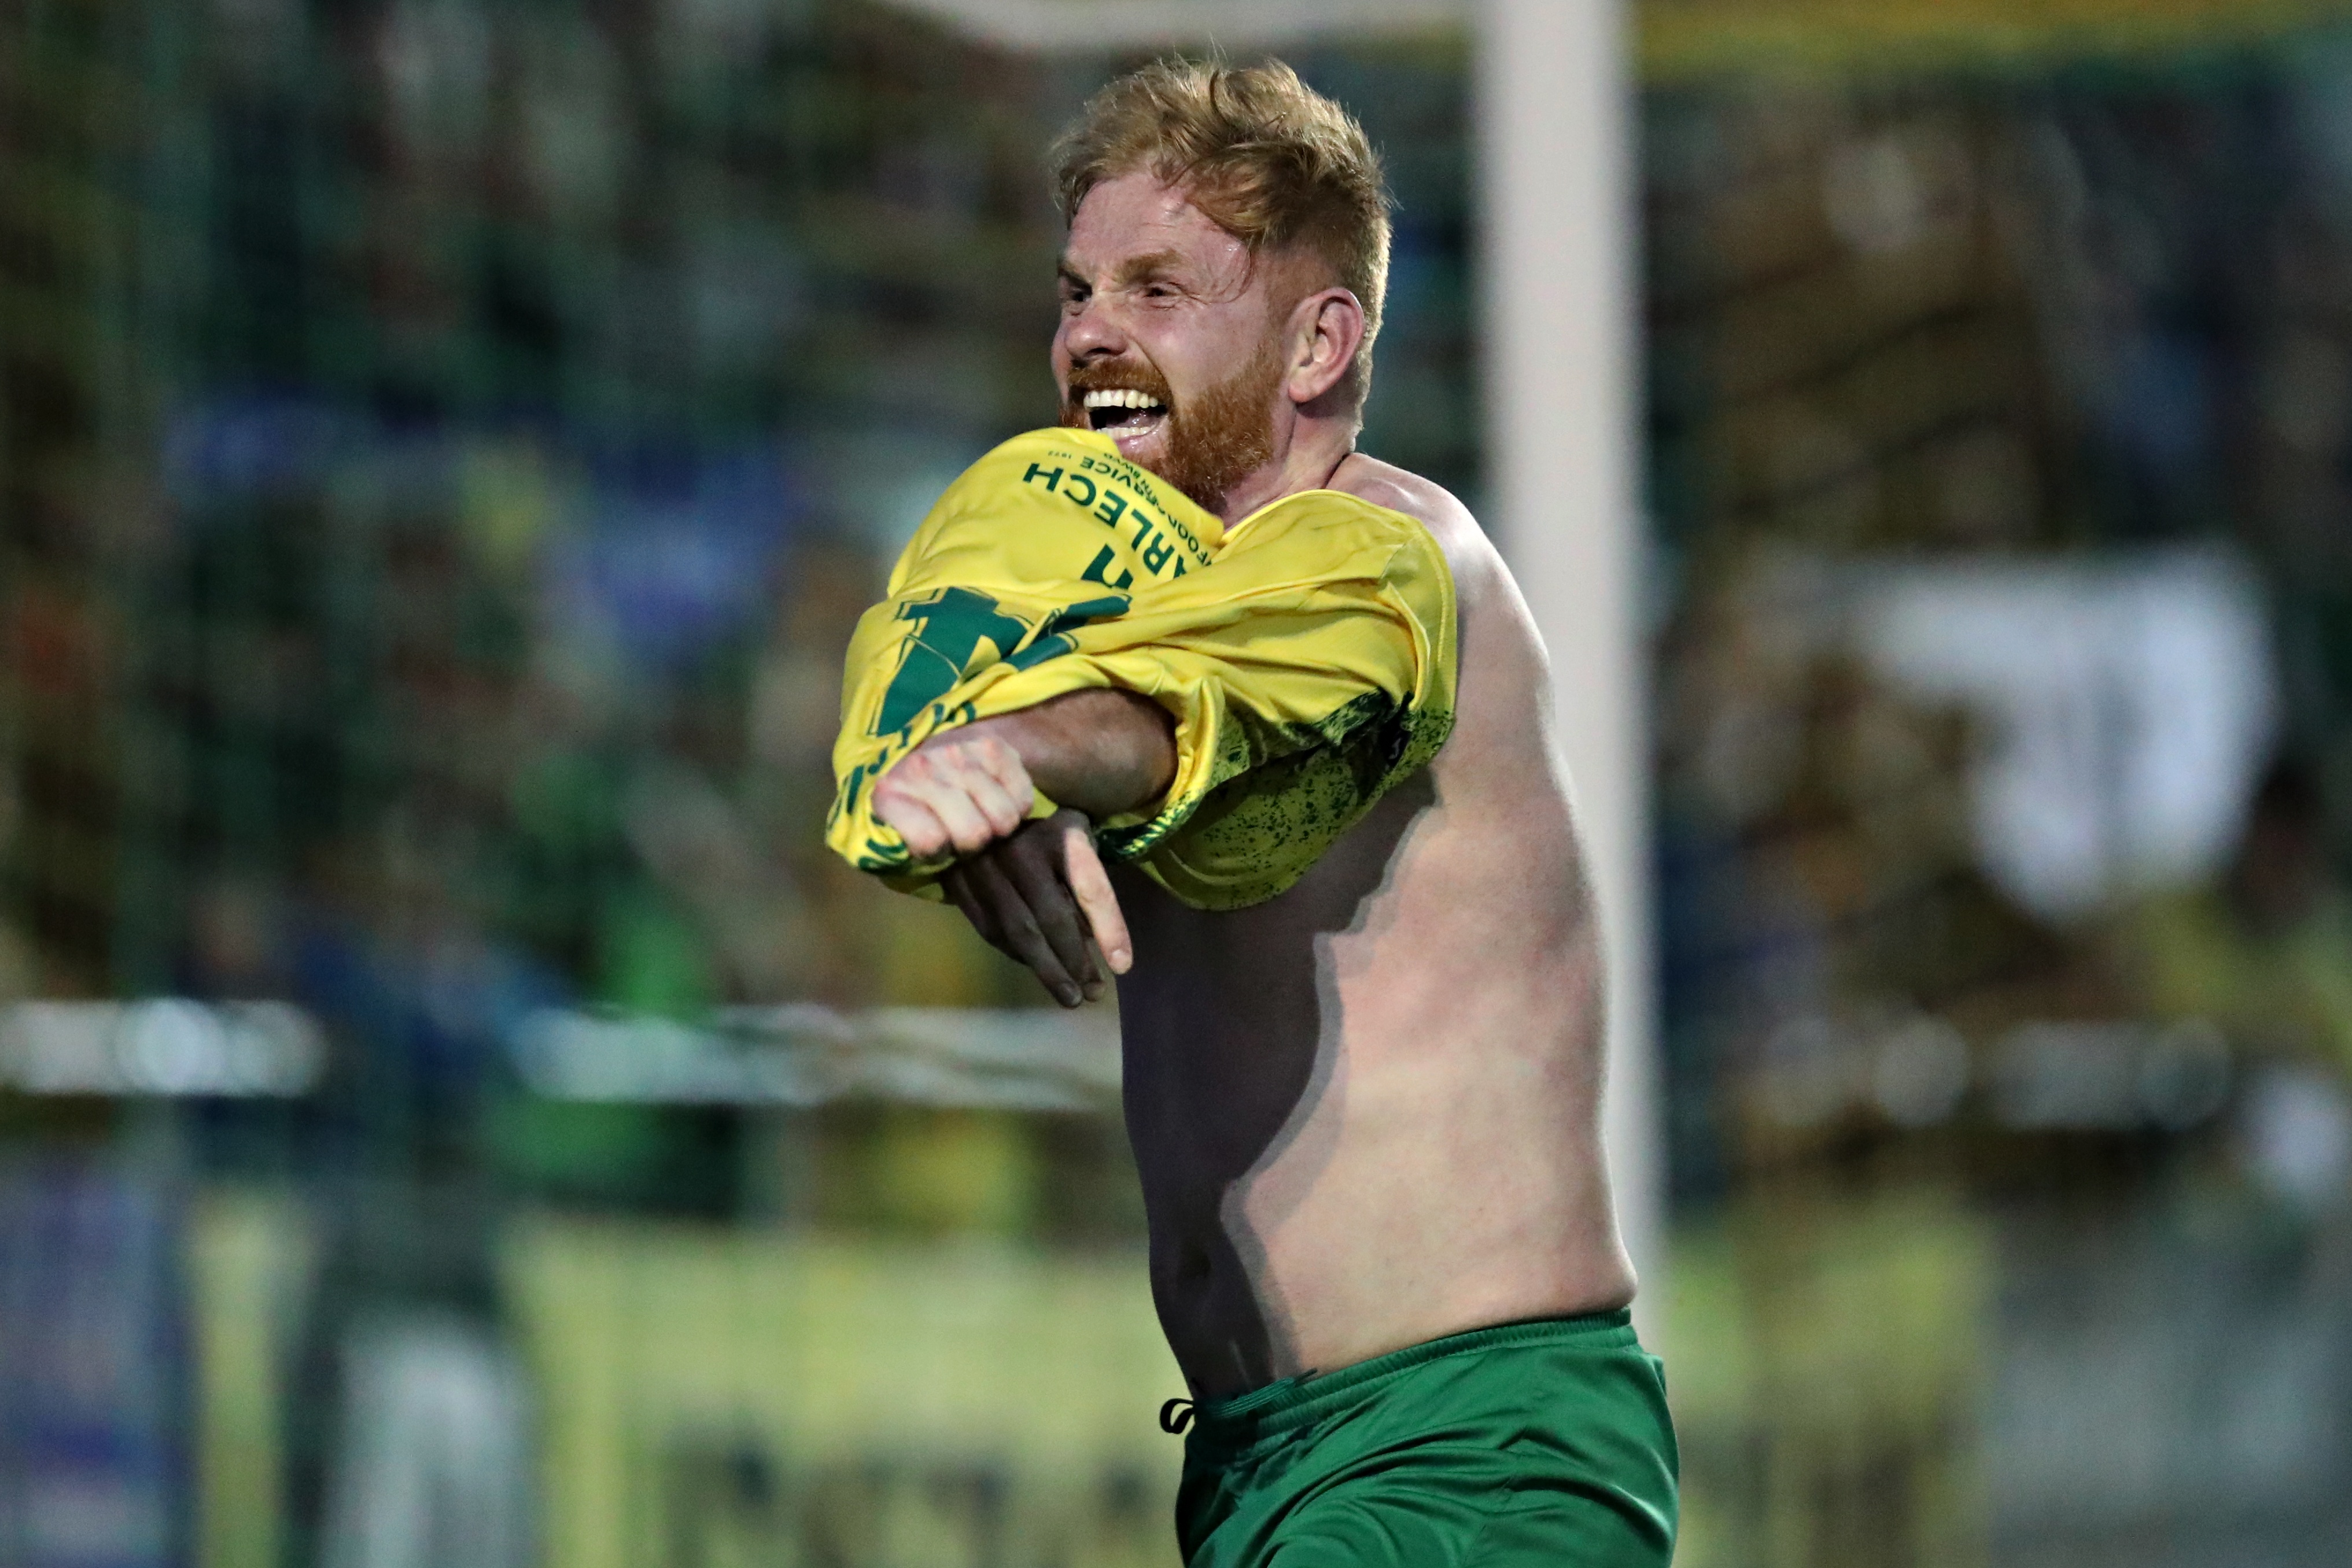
<point x="1091" y="332"/>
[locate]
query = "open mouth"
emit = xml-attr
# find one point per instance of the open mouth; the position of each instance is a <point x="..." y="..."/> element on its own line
<point x="1124" y="414"/>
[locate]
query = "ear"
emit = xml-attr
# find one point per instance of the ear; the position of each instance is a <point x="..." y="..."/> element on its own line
<point x="1326" y="328"/>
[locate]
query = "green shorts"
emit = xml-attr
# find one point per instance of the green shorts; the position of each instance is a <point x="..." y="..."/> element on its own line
<point x="1544" y="1442"/>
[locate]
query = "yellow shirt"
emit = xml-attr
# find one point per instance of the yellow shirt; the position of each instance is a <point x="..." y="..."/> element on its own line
<point x="1307" y="653"/>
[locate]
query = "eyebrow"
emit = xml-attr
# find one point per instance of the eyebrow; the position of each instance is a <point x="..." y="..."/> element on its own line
<point x="1141" y="267"/>
<point x="1133" y="269"/>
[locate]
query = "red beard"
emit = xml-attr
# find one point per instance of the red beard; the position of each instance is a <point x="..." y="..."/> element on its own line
<point x="1208" y="443"/>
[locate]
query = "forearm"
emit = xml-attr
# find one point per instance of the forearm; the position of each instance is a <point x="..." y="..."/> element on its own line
<point x="1101" y="752"/>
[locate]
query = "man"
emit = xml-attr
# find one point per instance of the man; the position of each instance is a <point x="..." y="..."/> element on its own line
<point x="1358" y="983"/>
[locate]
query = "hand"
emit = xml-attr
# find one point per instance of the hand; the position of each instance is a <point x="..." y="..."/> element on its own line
<point x="1025" y="894"/>
<point x="962" y="791"/>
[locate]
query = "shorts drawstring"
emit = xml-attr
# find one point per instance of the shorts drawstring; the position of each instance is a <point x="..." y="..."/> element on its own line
<point x="1175" y="1415"/>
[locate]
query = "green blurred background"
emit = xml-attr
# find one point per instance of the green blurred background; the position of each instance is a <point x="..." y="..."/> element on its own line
<point x="452" y="1112"/>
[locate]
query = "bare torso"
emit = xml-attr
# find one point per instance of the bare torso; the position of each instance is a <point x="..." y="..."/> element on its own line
<point x="1367" y="1111"/>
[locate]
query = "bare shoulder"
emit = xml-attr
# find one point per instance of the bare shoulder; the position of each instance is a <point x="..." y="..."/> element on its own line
<point x="1400" y="490"/>
<point x="1477" y="568"/>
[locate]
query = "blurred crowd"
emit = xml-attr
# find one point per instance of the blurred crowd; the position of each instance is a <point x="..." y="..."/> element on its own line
<point x="443" y="447"/>
<point x="1998" y="441"/>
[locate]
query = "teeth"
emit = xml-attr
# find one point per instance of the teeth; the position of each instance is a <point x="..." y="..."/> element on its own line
<point x="1120" y="397"/>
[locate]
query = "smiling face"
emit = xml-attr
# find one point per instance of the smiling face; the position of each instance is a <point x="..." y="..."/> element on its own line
<point x="1172" y="337"/>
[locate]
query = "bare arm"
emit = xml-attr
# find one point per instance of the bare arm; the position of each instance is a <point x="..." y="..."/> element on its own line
<point x="1101" y="752"/>
<point x="1025" y="886"/>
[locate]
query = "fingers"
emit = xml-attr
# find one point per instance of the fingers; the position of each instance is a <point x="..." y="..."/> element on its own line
<point x="1023" y="895"/>
<point x="964" y="789"/>
<point x="1090" y="886"/>
<point x="1037" y="893"/>
<point x="1029" y="864"/>
<point x="1018" y="930"/>
<point x="916" y="822"/>
<point x="994" y="783"/>
<point x="959" y="791"/>
<point x="956" y="881"/>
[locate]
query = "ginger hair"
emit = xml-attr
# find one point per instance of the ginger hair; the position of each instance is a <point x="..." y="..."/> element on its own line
<point x="1265" y="157"/>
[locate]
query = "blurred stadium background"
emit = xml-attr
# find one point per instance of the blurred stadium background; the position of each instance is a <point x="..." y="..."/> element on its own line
<point x="454" y="1114"/>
